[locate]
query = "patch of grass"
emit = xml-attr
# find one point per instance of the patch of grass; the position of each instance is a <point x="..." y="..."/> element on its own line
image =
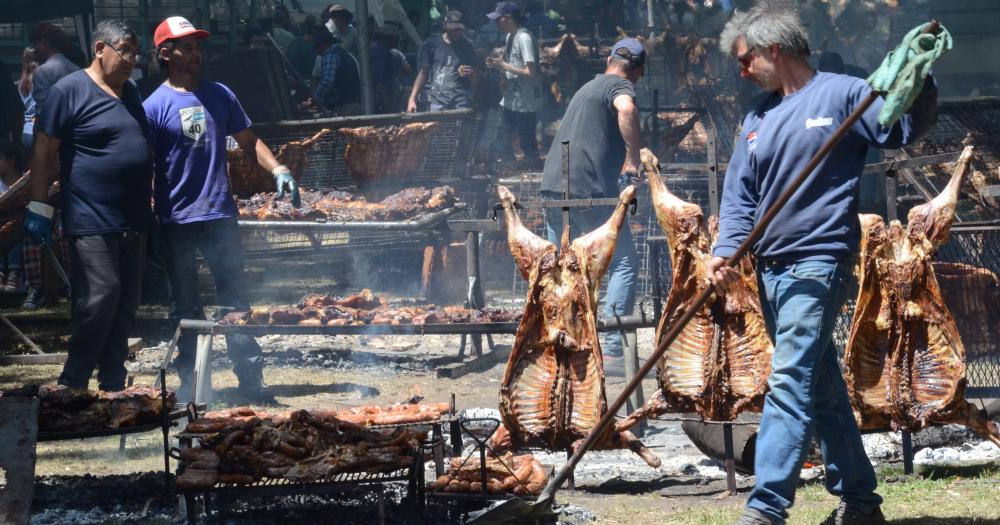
<point x="908" y="500"/>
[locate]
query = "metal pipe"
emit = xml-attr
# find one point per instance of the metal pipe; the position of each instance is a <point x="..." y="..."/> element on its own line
<point x="566" y="194"/>
<point x="334" y="122"/>
<point x="364" y="58"/>
<point x="144" y="24"/>
<point x="233" y="22"/>
<point x="628" y="322"/>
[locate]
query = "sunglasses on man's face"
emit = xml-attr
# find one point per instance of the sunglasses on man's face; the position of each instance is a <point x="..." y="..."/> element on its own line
<point x="746" y="58"/>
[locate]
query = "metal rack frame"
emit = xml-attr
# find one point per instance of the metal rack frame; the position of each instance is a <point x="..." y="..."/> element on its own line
<point x="168" y="419"/>
<point x="344" y="483"/>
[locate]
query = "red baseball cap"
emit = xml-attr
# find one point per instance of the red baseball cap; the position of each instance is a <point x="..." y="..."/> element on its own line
<point x="176" y="27"/>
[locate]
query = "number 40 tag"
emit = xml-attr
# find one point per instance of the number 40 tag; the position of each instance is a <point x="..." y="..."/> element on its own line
<point x="193" y="122"/>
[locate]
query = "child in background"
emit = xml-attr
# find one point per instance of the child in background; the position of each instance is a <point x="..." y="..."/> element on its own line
<point x="12" y="162"/>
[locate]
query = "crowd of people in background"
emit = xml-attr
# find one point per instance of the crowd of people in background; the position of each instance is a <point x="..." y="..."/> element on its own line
<point x="475" y="54"/>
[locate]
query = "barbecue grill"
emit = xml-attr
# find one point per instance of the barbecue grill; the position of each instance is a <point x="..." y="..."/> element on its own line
<point x="170" y="417"/>
<point x="347" y="484"/>
<point x="451" y="140"/>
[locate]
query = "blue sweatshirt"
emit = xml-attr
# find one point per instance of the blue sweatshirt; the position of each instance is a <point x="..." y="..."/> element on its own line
<point x="778" y="139"/>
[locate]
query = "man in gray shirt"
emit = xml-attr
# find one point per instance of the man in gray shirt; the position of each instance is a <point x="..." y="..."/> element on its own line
<point x="50" y="43"/>
<point x="522" y="97"/>
<point x="602" y="127"/>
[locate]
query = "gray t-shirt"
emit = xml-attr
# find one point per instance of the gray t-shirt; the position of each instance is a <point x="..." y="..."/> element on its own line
<point x="596" y="146"/>
<point x="447" y="88"/>
<point x="46" y="75"/>
<point x="523" y="94"/>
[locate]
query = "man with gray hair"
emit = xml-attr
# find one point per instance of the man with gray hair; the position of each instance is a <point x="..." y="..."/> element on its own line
<point x="805" y="256"/>
<point x="93" y="119"/>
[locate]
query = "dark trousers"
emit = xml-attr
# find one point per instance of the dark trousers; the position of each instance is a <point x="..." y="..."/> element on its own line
<point x="521" y="123"/>
<point x="220" y="247"/>
<point x="106" y="276"/>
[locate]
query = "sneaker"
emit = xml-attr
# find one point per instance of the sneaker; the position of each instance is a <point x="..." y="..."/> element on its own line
<point x="753" y="517"/>
<point x="33" y="300"/>
<point x="847" y="515"/>
<point x="12" y="283"/>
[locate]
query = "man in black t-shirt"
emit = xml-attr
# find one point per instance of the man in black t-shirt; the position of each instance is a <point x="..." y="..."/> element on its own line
<point x="450" y="64"/>
<point x="602" y="126"/>
<point x="94" y="120"/>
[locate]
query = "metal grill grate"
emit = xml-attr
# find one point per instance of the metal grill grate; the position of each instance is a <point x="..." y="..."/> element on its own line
<point x="974" y="304"/>
<point x="980" y="120"/>
<point x="326" y="169"/>
<point x="261" y="244"/>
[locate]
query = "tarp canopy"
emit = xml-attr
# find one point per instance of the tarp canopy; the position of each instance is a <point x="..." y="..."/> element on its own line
<point x="15" y="11"/>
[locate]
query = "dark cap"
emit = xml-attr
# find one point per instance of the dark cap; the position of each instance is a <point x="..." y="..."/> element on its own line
<point x="504" y="8"/>
<point x="629" y="49"/>
<point x="453" y="20"/>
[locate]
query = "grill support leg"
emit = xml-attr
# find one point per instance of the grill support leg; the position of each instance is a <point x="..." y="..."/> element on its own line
<point x="637" y="399"/>
<point x="203" y="370"/>
<point x="380" y="504"/>
<point x="571" y="481"/>
<point x="189" y="508"/>
<point x="727" y="440"/>
<point x="455" y="432"/>
<point x="438" y="439"/>
<point x="907" y="452"/>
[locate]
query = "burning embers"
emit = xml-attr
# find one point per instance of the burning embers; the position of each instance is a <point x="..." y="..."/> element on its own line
<point x="718" y="366"/>
<point x="362" y="309"/>
<point x="904" y="361"/>
<point x="552" y="393"/>
<point x="344" y="207"/>
<point x="65" y="409"/>
<point x="242" y="447"/>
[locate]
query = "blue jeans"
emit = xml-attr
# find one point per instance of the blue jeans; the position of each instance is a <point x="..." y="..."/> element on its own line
<point x="801" y="301"/>
<point x="219" y="243"/>
<point x="624" y="269"/>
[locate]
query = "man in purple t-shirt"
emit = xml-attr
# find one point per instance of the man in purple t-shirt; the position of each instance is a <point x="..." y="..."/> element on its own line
<point x="189" y="121"/>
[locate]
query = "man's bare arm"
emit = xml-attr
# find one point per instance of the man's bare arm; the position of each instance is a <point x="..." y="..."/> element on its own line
<point x="42" y="166"/>
<point x="628" y="123"/>
<point x="418" y="84"/>
<point x="255" y="148"/>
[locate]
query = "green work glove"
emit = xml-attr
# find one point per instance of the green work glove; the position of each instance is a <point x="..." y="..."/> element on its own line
<point x="904" y="70"/>
<point x="283" y="179"/>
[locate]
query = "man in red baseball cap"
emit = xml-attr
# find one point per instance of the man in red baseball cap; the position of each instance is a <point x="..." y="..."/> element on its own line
<point x="176" y="27"/>
<point x="189" y="120"/>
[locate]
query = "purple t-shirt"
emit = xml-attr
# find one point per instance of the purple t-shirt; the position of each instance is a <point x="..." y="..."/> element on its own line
<point x="188" y="134"/>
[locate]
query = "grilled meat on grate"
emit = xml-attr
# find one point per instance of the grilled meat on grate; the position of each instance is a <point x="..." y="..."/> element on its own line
<point x="364" y="308"/>
<point x="243" y="447"/>
<point x="520" y="475"/>
<point x="64" y="409"/>
<point x="343" y="207"/>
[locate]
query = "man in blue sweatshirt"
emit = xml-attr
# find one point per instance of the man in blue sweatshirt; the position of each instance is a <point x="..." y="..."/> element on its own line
<point x="805" y="257"/>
